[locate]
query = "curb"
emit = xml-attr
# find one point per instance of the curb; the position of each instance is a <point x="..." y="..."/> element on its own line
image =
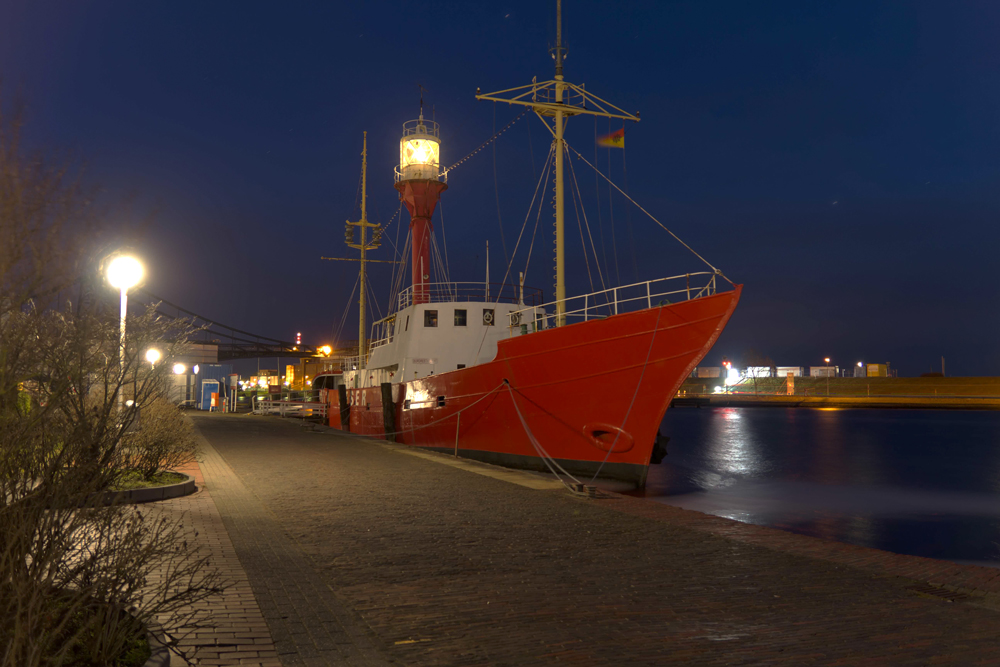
<point x="133" y="496"/>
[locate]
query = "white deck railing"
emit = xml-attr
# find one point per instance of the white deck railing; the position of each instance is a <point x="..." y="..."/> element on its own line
<point x="449" y="292"/>
<point x="605" y="303"/>
<point x="301" y="409"/>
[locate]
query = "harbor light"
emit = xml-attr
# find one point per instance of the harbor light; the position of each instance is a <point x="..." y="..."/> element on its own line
<point x="326" y="350"/>
<point x="152" y="355"/>
<point x="860" y="365"/>
<point x="419" y="151"/>
<point x="179" y="369"/>
<point x="125" y="272"/>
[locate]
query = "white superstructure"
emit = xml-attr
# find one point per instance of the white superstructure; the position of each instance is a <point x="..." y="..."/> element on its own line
<point x="458" y="328"/>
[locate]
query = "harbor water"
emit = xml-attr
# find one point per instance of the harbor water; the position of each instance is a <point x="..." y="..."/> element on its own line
<point x="919" y="482"/>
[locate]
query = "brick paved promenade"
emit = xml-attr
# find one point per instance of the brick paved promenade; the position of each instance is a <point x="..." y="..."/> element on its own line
<point x="360" y="553"/>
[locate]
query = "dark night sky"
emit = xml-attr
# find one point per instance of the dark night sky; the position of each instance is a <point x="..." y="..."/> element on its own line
<point x="840" y="159"/>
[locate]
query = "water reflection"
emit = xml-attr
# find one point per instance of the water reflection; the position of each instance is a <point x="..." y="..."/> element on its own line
<point x="918" y="482"/>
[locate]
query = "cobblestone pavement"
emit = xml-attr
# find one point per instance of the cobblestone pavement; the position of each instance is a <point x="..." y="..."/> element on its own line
<point x="236" y="632"/>
<point x="358" y="552"/>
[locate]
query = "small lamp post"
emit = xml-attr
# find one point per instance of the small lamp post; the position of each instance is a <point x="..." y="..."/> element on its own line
<point x="827" y="360"/>
<point x="124" y="272"/>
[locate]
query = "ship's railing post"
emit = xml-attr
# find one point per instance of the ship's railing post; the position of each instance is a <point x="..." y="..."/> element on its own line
<point x="585" y="298"/>
<point x="649" y="298"/>
<point x="687" y="280"/>
<point x="615" y="293"/>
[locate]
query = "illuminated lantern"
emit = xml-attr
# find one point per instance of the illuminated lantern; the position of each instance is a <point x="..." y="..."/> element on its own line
<point x="417" y="180"/>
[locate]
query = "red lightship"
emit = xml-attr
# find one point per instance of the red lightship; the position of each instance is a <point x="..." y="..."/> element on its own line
<point x="489" y="372"/>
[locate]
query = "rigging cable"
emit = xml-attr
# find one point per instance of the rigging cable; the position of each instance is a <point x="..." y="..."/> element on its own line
<point x="534" y="197"/>
<point x="611" y="206"/>
<point x="597" y="191"/>
<point x="444" y="241"/>
<point x="343" y="319"/>
<point x="628" y="217"/>
<point x="496" y="189"/>
<point x="487" y="142"/>
<point x="636" y="204"/>
<point x="583" y="210"/>
<point x="579" y="225"/>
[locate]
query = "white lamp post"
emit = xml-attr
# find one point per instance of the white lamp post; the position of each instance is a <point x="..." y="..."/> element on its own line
<point x="124" y="272"/>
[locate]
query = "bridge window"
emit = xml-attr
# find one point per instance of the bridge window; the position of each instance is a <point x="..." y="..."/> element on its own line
<point x="488" y="317"/>
<point x="459" y="317"/>
<point x="430" y="318"/>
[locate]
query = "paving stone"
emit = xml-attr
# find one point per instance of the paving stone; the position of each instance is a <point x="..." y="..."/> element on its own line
<point x="397" y="558"/>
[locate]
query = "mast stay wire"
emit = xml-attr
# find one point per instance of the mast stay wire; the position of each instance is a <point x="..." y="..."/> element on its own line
<point x="650" y="215"/>
<point x="527" y="217"/>
<point x="496" y="190"/>
<point x="628" y="217"/>
<point x="611" y="207"/>
<point x="597" y="191"/>
<point x="583" y="211"/>
<point x="583" y="243"/>
<point x="538" y="217"/>
<point x="343" y="318"/>
<point x="444" y="242"/>
<point x="493" y="138"/>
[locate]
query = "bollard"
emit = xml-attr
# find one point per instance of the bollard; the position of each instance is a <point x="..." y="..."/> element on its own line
<point x="345" y="409"/>
<point x="388" y="412"/>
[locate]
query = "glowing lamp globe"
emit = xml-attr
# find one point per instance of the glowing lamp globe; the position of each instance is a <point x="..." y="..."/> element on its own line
<point x="326" y="349"/>
<point x="419" y="151"/>
<point x="152" y="355"/>
<point x="179" y="369"/>
<point x="124" y="272"/>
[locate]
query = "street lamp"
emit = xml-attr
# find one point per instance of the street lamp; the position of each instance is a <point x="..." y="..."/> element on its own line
<point x="179" y="369"/>
<point x="152" y="356"/>
<point x="124" y="272"/>
<point x="827" y="360"/>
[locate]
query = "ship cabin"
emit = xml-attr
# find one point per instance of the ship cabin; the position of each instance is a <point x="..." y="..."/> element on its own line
<point x="443" y="327"/>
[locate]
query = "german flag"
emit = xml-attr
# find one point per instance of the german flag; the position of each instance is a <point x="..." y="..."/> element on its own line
<point x="614" y="140"/>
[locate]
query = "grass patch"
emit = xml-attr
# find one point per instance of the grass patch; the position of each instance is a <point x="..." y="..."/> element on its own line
<point x="133" y="480"/>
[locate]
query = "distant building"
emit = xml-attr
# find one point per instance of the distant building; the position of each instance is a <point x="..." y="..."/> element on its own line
<point x="878" y="370"/>
<point x="759" y="371"/>
<point x="824" y="371"/>
<point x="709" y="371"/>
<point x="796" y="371"/>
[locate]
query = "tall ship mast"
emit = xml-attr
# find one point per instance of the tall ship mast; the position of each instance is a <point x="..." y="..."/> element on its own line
<point x="576" y="386"/>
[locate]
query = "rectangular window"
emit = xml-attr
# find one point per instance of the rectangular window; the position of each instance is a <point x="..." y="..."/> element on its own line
<point x="488" y="316"/>
<point x="407" y="326"/>
<point x="461" y="365"/>
<point x="430" y="318"/>
<point x="459" y="317"/>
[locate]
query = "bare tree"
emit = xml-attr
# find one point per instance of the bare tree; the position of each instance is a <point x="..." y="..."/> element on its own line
<point x="758" y="365"/>
<point x="79" y="579"/>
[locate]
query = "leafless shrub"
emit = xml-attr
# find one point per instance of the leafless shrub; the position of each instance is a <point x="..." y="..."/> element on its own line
<point x="70" y="567"/>
<point x="164" y="440"/>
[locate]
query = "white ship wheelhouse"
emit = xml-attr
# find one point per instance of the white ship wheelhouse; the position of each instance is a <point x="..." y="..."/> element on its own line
<point x="457" y="326"/>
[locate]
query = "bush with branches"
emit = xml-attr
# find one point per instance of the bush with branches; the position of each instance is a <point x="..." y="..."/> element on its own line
<point x="79" y="580"/>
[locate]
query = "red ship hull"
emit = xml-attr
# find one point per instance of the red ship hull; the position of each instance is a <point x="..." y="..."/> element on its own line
<point x="593" y="393"/>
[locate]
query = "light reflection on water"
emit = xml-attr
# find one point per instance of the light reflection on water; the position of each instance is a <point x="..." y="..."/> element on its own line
<point x="919" y="482"/>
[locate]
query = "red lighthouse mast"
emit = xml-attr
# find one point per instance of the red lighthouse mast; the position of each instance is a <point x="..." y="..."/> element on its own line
<point x="419" y="185"/>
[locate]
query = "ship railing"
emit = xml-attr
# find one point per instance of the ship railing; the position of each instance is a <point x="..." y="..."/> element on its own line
<point x="456" y="292"/>
<point x="350" y="363"/>
<point x="602" y="304"/>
